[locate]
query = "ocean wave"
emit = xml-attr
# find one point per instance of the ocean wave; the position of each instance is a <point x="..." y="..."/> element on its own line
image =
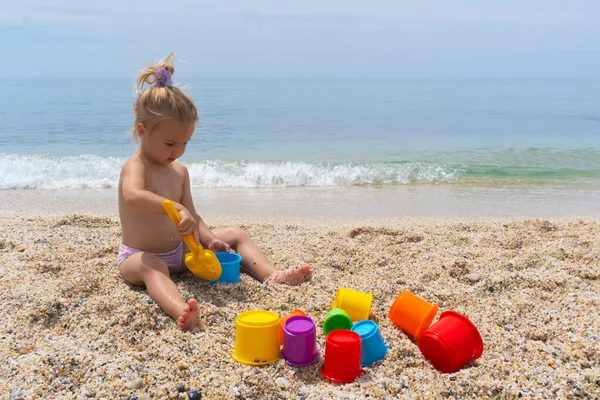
<point x="89" y="171"/>
<point x="19" y="171"/>
<point x="40" y="171"/>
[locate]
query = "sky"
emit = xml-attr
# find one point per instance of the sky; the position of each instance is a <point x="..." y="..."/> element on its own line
<point x="307" y="38"/>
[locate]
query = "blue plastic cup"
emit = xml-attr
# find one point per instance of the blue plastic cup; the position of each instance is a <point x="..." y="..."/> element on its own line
<point x="230" y="266"/>
<point x="373" y="347"/>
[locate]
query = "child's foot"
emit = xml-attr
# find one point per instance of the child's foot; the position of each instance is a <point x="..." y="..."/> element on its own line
<point x="293" y="276"/>
<point x="189" y="316"/>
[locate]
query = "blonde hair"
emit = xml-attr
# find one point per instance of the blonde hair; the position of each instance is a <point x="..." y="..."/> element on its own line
<point x="158" y="101"/>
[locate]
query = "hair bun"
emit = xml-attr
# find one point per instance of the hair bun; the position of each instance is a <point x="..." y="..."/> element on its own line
<point x="163" y="77"/>
<point x="158" y="75"/>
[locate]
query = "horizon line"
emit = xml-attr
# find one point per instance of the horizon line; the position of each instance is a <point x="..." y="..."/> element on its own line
<point x="188" y="76"/>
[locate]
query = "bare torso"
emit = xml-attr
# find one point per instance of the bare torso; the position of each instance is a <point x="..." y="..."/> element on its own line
<point x="154" y="233"/>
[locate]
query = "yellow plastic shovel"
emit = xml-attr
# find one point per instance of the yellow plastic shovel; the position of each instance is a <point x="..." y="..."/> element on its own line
<point x="202" y="262"/>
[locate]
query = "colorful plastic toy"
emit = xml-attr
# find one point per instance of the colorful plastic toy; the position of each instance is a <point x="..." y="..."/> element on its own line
<point x="299" y="341"/>
<point x="451" y="342"/>
<point x="412" y="314"/>
<point x="336" y="319"/>
<point x="202" y="262"/>
<point x="230" y="266"/>
<point x="294" y="313"/>
<point x="256" y="337"/>
<point x="342" y="356"/>
<point x="356" y="304"/>
<point x="373" y="347"/>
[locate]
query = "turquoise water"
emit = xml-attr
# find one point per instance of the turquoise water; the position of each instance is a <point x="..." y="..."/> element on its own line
<point x="73" y="133"/>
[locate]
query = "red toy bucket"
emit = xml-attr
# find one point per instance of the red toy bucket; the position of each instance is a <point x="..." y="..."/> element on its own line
<point x="343" y="354"/>
<point x="451" y="342"/>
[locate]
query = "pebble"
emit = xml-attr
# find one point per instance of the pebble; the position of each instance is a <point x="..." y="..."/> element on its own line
<point x="180" y="388"/>
<point x="401" y="281"/>
<point x="26" y="349"/>
<point x="16" y="395"/>
<point x="194" y="395"/>
<point x="282" y="382"/>
<point x="149" y="301"/>
<point x="135" y="383"/>
<point x="304" y="389"/>
<point x="182" y="366"/>
<point x="474" y="277"/>
<point x="234" y="391"/>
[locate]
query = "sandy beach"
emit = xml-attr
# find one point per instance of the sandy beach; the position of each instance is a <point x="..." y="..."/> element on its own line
<point x="444" y="149"/>
<point x="72" y="328"/>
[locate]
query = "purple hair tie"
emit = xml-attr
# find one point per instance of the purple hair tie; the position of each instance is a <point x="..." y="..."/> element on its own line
<point x="163" y="77"/>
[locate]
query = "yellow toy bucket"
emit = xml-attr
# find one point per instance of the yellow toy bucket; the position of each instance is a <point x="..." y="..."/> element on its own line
<point x="356" y="304"/>
<point x="256" y="338"/>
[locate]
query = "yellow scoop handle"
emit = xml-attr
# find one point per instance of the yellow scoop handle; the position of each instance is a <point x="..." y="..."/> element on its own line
<point x="176" y="218"/>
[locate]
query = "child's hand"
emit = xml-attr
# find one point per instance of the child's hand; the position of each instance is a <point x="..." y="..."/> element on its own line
<point x="187" y="225"/>
<point x="219" y="246"/>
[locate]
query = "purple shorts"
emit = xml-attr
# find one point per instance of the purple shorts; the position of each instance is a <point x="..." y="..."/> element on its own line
<point x="173" y="258"/>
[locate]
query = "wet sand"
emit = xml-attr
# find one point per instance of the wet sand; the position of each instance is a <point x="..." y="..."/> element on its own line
<point x="339" y="203"/>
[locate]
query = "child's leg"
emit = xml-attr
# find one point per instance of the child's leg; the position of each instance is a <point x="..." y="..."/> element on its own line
<point x="255" y="263"/>
<point x="147" y="269"/>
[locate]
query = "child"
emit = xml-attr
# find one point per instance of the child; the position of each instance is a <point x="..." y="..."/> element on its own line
<point x="152" y="247"/>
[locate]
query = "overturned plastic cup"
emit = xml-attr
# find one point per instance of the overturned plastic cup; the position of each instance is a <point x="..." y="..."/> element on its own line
<point x="356" y="304"/>
<point x="336" y="319"/>
<point x="412" y="314"/>
<point x="373" y="347"/>
<point x="451" y="342"/>
<point x="294" y="313"/>
<point x="230" y="267"/>
<point x="299" y="341"/>
<point x="342" y="356"/>
<point x="256" y="337"/>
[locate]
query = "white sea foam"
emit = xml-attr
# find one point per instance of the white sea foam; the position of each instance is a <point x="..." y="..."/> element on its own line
<point x="90" y="171"/>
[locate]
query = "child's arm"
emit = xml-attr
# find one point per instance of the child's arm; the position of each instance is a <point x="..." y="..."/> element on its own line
<point x="144" y="201"/>
<point x="206" y="236"/>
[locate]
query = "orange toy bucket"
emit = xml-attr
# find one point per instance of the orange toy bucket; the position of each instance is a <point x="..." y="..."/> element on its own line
<point x="412" y="314"/>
